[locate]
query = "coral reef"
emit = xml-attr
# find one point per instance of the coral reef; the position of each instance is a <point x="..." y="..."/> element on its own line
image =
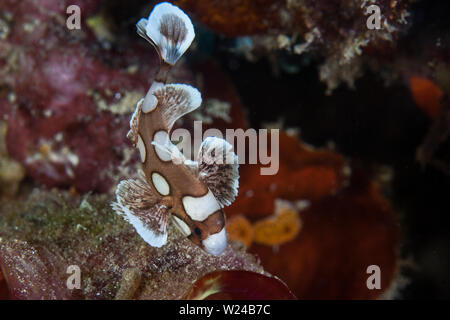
<point x="57" y="83"/>
<point x="244" y="17"/>
<point x="238" y="285"/>
<point x="321" y="241"/>
<point x="304" y="174"/>
<point x="240" y="229"/>
<point x="46" y="232"/>
<point x="280" y="228"/>
<point x="359" y="163"/>
<point x="67" y="98"/>
<point x="11" y="172"/>
<point x="335" y="30"/>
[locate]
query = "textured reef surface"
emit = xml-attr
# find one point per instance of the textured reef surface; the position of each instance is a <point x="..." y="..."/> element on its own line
<point x="47" y="232"/>
<point x="334" y="30"/>
<point x="67" y="96"/>
<point x="364" y="149"/>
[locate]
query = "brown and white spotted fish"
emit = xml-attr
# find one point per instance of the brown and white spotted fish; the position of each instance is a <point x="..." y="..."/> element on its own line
<point x="192" y="193"/>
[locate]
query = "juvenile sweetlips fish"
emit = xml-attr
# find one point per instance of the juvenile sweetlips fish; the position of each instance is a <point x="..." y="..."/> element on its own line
<point x="191" y="193"/>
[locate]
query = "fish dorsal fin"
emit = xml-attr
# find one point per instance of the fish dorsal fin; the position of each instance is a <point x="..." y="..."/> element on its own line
<point x="218" y="169"/>
<point x="138" y="204"/>
<point x="176" y="100"/>
<point x="169" y="29"/>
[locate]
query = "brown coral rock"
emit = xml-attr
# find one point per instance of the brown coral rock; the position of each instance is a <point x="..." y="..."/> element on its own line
<point x="235" y="17"/>
<point x="45" y="233"/>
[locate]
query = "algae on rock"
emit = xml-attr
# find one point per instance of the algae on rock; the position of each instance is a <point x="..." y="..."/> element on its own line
<point x="41" y="235"/>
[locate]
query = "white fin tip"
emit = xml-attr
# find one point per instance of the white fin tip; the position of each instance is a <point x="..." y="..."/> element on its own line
<point x="216" y="243"/>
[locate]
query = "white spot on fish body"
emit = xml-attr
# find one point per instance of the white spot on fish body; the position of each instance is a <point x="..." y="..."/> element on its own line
<point x="199" y="208"/>
<point x="150" y="101"/>
<point x="160" y="183"/>
<point x="141" y="146"/>
<point x="161" y="138"/>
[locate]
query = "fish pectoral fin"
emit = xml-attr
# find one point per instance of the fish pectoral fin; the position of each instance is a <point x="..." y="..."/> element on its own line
<point x="219" y="169"/>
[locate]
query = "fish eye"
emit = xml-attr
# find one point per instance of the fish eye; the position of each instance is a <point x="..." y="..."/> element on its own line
<point x="197" y="231"/>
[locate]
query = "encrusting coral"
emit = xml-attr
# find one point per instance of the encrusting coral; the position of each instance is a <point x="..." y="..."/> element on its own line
<point x="80" y="141"/>
<point x="240" y="229"/>
<point x="57" y="83"/>
<point x="283" y="226"/>
<point x="280" y="228"/>
<point x="335" y="30"/>
<point x="338" y="224"/>
<point x="46" y="232"/>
